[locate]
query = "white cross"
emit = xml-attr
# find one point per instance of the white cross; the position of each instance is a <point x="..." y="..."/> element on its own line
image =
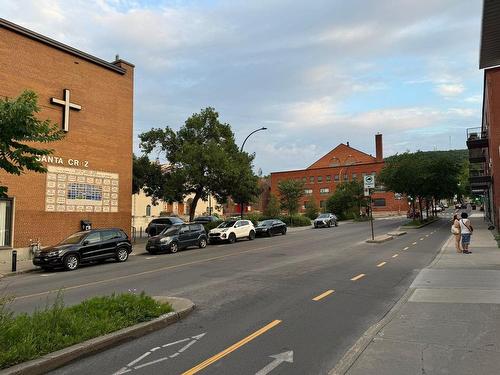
<point x="67" y="106"/>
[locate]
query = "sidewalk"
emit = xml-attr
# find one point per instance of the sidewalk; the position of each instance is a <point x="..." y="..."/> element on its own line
<point x="447" y="323"/>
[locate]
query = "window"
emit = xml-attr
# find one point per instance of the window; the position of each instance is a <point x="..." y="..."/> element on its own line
<point x="304" y="206"/>
<point x="328" y="178"/>
<point x="195" y="227"/>
<point x="84" y="191"/>
<point x="320" y="178"/>
<point x="324" y="191"/>
<point x="304" y="180"/>
<point x="5" y="222"/>
<point x="311" y="179"/>
<point x="245" y="222"/>
<point x="379" y="202"/>
<point x="93" y="237"/>
<point x="346" y="177"/>
<point x="336" y="178"/>
<point x="110" y="234"/>
<point x="354" y="176"/>
<point x="148" y="210"/>
<point x="308" y="191"/>
<point x="184" y="229"/>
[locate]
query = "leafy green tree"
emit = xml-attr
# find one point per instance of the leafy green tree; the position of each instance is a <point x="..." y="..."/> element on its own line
<point x="290" y="193"/>
<point x="202" y="159"/>
<point x="273" y="207"/>
<point x="312" y="208"/>
<point x="347" y="200"/>
<point x="20" y="131"/>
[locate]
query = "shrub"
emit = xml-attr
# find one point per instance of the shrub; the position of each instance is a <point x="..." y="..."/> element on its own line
<point x="273" y="207"/>
<point x="211" y="225"/>
<point x="312" y="209"/>
<point x="24" y="337"/>
<point x="296" y="220"/>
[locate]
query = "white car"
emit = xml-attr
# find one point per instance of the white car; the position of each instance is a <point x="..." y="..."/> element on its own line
<point x="231" y="230"/>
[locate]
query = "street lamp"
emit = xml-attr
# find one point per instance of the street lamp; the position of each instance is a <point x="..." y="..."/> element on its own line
<point x="241" y="150"/>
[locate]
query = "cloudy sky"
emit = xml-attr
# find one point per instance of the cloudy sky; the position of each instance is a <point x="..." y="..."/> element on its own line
<point x="315" y="73"/>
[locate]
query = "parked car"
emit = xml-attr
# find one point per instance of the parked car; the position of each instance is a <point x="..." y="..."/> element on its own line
<point x="270" y="227"/>
<point x="178" y="237"/>
<point x="437" y="208"/>
<point x="325" y="220"/>
<point x="458" y="206"/>
<point x="231" y="230"/>
<point x="445" y="205"/>
<point x="156" y="226"/>
<point x="85" y="247"/>
<point x="205" y="219"/>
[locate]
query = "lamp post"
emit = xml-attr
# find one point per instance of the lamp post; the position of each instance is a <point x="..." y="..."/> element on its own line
<point x="241" y="150"/>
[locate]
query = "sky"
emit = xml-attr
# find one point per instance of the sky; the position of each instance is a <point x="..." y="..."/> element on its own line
<point x="315" y="73"/>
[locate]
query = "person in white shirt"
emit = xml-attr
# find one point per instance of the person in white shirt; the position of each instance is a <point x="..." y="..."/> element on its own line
<point x="466" y="231"/>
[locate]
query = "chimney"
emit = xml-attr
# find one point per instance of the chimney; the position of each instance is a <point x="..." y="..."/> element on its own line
<point x="347" y="143"/>
<point x="378" y="147"/>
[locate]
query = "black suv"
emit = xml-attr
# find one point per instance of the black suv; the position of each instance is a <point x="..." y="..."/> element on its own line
<point x="84" y="247"/>
<point x="156" y="226"/>
<point x="177" y="237"/>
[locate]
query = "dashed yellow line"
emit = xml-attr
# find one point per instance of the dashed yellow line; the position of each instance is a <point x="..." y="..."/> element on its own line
<point x="323" y="295"/>
<point x="395" y="255"/>
<point x="381" y="264"/>
<point x="231" y="349"/>
<point x="360" y="276"/>
<point x="406" y="248"/>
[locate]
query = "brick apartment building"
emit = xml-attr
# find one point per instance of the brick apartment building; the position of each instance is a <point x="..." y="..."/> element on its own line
<point x="484" y="142"/>
<point x="89" y="174"/>
<point x="343" y="163"/>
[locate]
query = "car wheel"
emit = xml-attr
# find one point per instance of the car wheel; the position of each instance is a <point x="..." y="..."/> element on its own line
<point x="329" y="224"/>
<point x="336" y="224"/>
<point x="71" y="262"/>
<point x="152" y="252"/>
<point x="251" y="235"/>
<point x="232" y="238"/>
<point x="203" y="243"/>
<point x="283" y="232"/>
<point x="174" y="247"/>
<point x="121" y="254"/>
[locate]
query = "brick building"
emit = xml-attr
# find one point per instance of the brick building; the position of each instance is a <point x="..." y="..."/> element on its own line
<point x="484" y="142"/>
<point x="343" y="163"/>
<point x="89" y="174"/>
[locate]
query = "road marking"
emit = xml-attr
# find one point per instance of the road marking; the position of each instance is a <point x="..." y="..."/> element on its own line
<point x="414" y="243"/>
<point x="355" y="278"/>
<point x="381" y="264"/>
<point x="150" y="257"/>
<point x="406" y="248"/>
<point x="231" y="349"/>
<point x="278" y="360"/>
<point x="133" y="365"/>
<point x="142" y="273"/>
<point x="422" y="239"/>
<point x="395" y="255"/>
<point x="323" y="295"/>
<point x="426" y="235"/>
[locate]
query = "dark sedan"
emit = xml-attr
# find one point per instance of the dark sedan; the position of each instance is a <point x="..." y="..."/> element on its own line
<point x="270" y="227"/>
<point x="85" y="247"/>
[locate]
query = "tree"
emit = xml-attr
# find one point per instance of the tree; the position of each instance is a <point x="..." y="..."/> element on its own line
<point x="290" y="193"/>
<point x="202" y="159"/>
<point x="19" y="129"/>
<point x="312" y="208"/>
<point x="273" y="207"/>
<point x="347" y="200"/>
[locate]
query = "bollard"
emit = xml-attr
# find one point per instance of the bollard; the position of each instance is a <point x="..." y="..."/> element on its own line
<point x="14" y="260"/>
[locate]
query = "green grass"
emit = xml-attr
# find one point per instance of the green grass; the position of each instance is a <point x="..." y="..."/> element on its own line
<point x="25" y="337"/>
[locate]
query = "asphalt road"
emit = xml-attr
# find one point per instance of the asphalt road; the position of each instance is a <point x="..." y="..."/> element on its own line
<point x="254" y="298"/>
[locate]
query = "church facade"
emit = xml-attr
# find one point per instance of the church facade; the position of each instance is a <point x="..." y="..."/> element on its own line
<point x="90" y="171"/>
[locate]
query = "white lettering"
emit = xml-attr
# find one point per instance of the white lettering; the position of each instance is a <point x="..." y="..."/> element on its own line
<point x="85" y="163"/>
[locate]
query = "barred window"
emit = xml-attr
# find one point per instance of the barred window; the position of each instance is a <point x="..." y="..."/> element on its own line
<point x="84" y="191"/>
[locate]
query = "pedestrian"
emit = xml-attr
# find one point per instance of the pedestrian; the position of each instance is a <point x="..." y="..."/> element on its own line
<point x="466" y="231"/>
<point x="455" y="230"/>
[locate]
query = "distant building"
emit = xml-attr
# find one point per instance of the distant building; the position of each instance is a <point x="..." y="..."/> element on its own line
<point x="342" y="164"/>
<point x="484" y="142"/>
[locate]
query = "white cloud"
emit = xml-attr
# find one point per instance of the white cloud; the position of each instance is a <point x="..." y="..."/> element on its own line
<point x="448" y="90"/>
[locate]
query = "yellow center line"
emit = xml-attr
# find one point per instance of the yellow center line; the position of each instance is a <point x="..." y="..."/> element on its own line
<point x="361" y="275"/>
<point x="414" y="243"/>
<point x="231" y="349"/>
<point x="381" y="264"/>
<point x="395" y="255"/>
<point x="406" y="248"/>
<point x="323" y="295"/>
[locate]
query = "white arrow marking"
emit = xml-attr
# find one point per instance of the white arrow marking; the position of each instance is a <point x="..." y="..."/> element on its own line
<point x="192" y="340"/>
<point x="278" y="360"/>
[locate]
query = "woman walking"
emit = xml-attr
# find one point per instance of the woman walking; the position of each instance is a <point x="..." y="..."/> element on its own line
<point x="455" y="229"/>
<point x="466" y="231"/>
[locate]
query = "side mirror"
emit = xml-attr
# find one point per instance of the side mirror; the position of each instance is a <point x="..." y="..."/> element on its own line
<point x="85" y="243"/>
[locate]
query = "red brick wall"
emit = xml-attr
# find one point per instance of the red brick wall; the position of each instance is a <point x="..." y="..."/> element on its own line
<point x="100" y="133"/>
<point x="492" y="112"/>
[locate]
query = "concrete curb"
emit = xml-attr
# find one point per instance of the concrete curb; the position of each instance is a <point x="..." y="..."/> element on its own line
<point x="2" y="275"/>
<point x="397" y="233"/>
<point x="57" y="359"/>
<point x="420" y="226"/>
<point x="355" y="351"/>
<point x="380" y="239"/>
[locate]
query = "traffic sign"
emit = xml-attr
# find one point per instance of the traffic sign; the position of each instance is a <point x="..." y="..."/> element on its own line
<point x="369" y="182"/>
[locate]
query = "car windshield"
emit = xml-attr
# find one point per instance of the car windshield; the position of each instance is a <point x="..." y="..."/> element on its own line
<point x="265" y="223"/>
<point x="227" y="224"/>
<point x="73" y="239"/>
<point x="171" y="230"/>
<point x="176" y="220"/>
<point x="323" y="216"/>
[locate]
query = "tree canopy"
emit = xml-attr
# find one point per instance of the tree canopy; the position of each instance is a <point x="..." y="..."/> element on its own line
<point x="20" y="131"/>
<point x="290" y="193"/>
<point x="347" y="200"/>
<point x="202" y="159"/>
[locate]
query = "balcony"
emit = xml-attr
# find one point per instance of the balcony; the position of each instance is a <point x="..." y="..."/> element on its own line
<point x="478" y="155"/>
<point x="479" y="180"/>
<point x="477" y="138"/>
